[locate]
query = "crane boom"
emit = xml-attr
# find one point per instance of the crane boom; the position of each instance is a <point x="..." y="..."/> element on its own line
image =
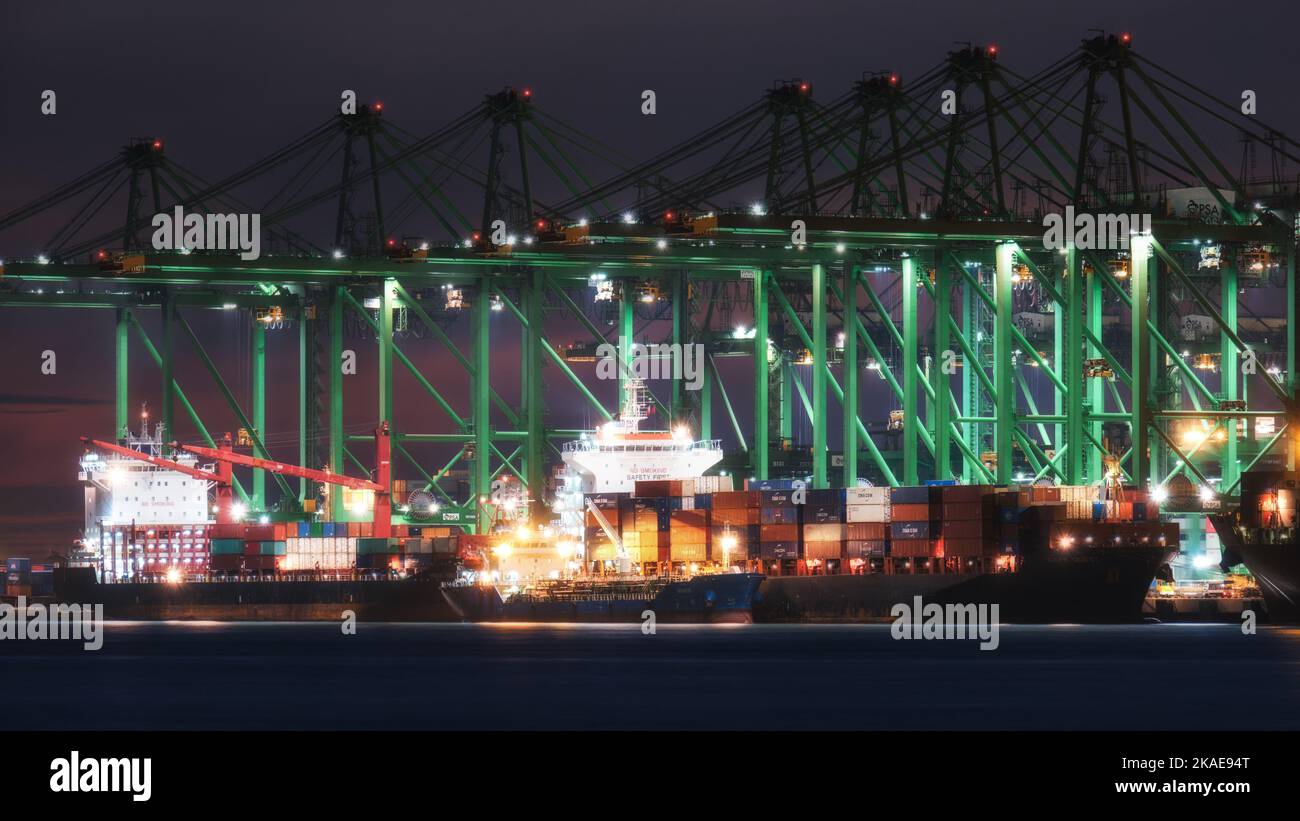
<point x="280" y="467"/>
<point x="153" y="460"/>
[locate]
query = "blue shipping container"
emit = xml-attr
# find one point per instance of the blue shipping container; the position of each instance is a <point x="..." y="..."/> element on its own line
<point x="909" y="530"/>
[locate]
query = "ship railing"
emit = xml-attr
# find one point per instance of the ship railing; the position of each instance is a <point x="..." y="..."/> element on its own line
<point x="641" y="447"/>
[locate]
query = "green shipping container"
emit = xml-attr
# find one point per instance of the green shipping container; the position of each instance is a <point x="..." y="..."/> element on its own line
<point x="227" y="547"/>
<point x="274" y="548"/>
<point x="369" y="545"/>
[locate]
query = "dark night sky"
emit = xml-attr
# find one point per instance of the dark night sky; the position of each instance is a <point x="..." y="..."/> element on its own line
<point x="224" y="83"/>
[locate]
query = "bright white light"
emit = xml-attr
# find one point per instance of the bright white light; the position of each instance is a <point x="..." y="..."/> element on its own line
<point x="228" y="306"/>
<point x="629" y="218"/>
<point x="43" y="260"/>
<point x="663" y="243"/>
<point x="338" y="254"/>
<point x="1205" y="493"/>
<point x="238" y="511"/>
<point x="757" y="209"/>
<point x="839" y="247"/>
<point x="1159" y="495"/>
<point x="264" y="520"/>
<point x="582" y="223"/>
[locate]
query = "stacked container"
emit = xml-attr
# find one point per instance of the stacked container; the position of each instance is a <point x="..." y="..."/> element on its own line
<point x="734" y="530"/>
<point x="914" y="527"/>
<point x="967" y="523"/>
<point x="778" y="529"/>
<point x="823" y="530"/>
<point x="866" y="516"/>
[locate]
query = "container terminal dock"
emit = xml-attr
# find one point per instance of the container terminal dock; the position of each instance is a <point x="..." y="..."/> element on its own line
<point x="819" y="356"/>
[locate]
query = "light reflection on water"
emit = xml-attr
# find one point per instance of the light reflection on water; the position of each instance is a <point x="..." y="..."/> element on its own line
<point x="296" y="676"/>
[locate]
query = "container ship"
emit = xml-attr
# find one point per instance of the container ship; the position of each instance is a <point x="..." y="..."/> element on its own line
<point x="638" y="528"/>
<point x="1261" y="534"/>
<point x="1042" y="554"/>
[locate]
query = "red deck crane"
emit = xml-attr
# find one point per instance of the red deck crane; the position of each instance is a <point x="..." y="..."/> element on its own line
<point x="383" y="526"/>
<point x="225" y="458"/>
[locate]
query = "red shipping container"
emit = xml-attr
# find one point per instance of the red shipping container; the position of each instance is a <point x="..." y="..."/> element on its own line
<point x="914" y="548"/>
<point x="964" y="493"/>
<point x="968" y="528"/>
<point x="778" y="533"/>
<point x="865" y="531"/>
<point x="963" y="510"/>
<point x="968" y="547"/>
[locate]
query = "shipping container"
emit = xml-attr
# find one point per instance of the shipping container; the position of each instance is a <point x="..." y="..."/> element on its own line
<point x="912" y="512"/>
<point x="912" y="530"/>
<point x="779" y="550"/>
<point x="830" y="549"/>
<point x="867" y="513"/>
<point x="866" y="496"/>
<point x="911" y="495"/>
<point x="779" y="515"/>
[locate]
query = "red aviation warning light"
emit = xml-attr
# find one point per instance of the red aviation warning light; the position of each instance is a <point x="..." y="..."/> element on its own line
<point x="528" y="92"/>
<point x="379" y="107"/>
<point x="1126" y="38"/>
<point x="392" y="243"/>
<point x="157" y="145"/>
<point x="893" y="79"/>
<point x="804" y="88"/>
<point x="992" y="50"/>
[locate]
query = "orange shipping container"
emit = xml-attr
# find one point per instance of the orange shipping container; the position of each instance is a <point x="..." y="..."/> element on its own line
<point x="733" y="499"/>
<point x="688" y="552"/>
<point x="736" y="517"/>
<point x="912" y="513"/>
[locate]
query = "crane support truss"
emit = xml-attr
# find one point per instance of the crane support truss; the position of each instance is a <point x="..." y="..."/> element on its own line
<point x="890" y="287"/>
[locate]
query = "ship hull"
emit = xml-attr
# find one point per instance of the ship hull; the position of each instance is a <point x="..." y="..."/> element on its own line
<point x="1100" y="586"/>
<point x="377" y="600"/>
<point x="1275" y="566"/>
<point x="726" y="598"/>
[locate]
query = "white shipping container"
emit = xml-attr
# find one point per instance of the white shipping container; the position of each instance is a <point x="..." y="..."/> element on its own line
<point x="866" y="496"/>
<point x="866" y="513"/>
